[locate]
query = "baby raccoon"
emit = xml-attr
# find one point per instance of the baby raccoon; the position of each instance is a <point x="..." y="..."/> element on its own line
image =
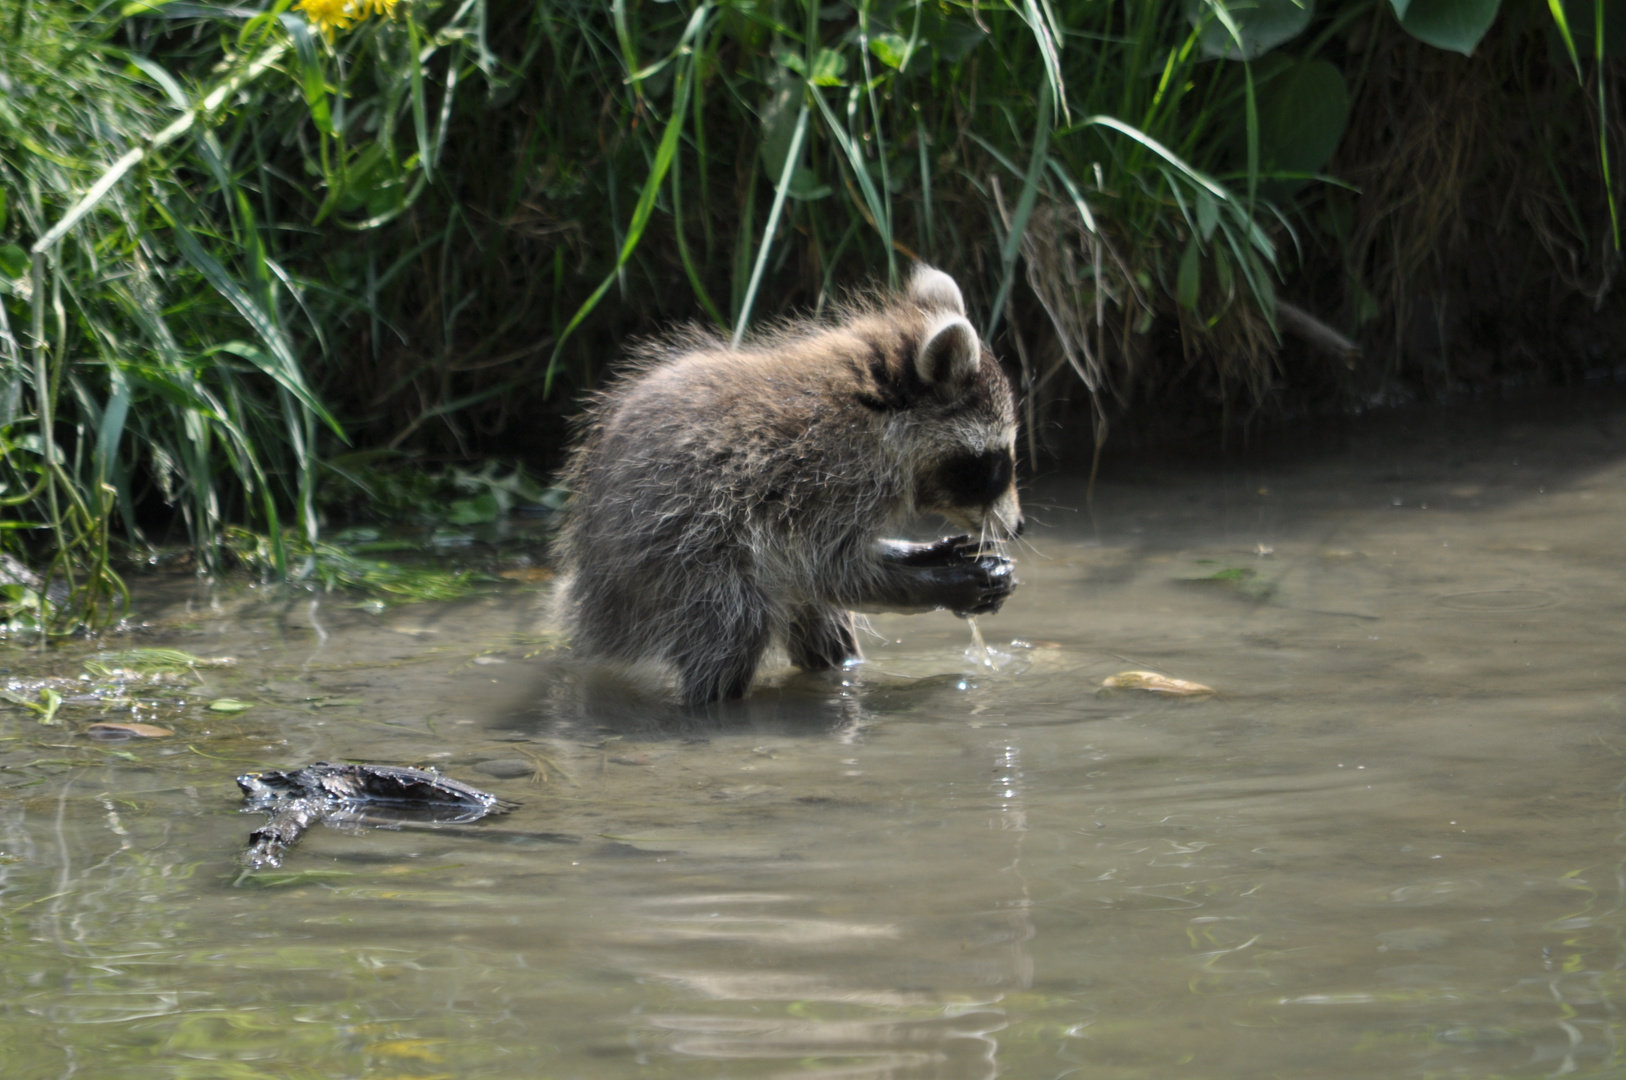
<point x="728" y="498"/>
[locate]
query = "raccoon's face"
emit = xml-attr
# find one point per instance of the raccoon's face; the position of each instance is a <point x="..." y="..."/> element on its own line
<point x="965" y="446"/>
<point x="967" y="468"/>
<point x="976" y="490"/>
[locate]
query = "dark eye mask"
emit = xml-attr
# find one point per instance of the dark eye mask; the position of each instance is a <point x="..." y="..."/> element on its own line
<point x="975" y="479"/>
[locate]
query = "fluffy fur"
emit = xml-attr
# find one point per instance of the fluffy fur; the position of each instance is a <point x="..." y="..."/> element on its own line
<point x="727" y="499"/>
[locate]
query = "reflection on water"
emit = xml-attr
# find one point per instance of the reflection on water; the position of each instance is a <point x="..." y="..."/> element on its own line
<point x="1391" y="843"/>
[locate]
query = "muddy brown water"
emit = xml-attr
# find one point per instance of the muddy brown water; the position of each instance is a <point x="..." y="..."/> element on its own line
<point x="1391" y="844"/>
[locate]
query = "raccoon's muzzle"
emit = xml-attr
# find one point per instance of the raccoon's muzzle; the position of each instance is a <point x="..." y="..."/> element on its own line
<point x="974" y="480"/>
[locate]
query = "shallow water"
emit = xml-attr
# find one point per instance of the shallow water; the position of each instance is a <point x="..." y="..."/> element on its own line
<point x="1392" y="843"/>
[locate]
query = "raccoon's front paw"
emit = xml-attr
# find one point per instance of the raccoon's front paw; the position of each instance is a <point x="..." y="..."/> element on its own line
<point x="988" y="580"/>
<point x="972" y="582"/>
<point x="947" y="552"/>
<point x="953" y="573"/>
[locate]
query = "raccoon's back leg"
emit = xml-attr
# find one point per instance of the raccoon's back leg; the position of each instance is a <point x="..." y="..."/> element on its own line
<point x="717" y="653"/>
<point x="821" y="638"/>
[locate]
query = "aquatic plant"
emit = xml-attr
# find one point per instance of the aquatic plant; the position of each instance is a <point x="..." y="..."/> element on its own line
<point x="332" y="566"/>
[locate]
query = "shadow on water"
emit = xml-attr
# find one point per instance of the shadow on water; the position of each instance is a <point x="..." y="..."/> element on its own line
<point x="572" y="699"/>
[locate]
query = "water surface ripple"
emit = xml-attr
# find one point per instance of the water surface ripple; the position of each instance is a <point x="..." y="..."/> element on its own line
<point x="1390" y="844"/>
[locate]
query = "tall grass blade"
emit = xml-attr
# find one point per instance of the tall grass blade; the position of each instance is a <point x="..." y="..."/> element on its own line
<point x="420" y="111"/>
<point x="872" y="207"/>
<point x="1603" y="122"/>
<point x="768" y="231"/>
<point x="280" y="364"/>
<point x="664" y="155"/>
<point x="1024" y="206"/>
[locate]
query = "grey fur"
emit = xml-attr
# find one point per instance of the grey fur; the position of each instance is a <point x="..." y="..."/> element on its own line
<point x="726" y="499"/>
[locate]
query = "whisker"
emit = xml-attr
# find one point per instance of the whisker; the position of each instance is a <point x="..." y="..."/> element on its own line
<point x="1025" y="542"/>
<point x="1011" y="536"/>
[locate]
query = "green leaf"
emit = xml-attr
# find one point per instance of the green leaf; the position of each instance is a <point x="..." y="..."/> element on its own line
<point x="229" y="705"/>
<point x="312" y="77"/>
<point x="1207" y="214"/>
<point x="1247" y="29"/>
<point x="779" y="117"/>
<point x="1454" y="25"/>
<point x="1191" y="276"/>
<point x="475" y="511"/>
<point x="829" y="68"/>
<point x="1302" y="114"/>
<point x="789" y="59"/>
<point x="1223" y="275"/>
<point x="1196" y="176"/>
<point x="890" y="49"/>
<point x="1580" y="20"/>
<point x="420" y="112"/>
<point x="18" y="699"/>
<point x="111" y="429"/>
<point x="50" y="701"/>
<point x="805" y="186"/>
<point x="13" y="259"/>
<point x="2" y="209"/>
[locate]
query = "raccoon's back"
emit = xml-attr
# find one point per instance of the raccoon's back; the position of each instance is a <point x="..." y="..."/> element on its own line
<point x="712" y="445"/>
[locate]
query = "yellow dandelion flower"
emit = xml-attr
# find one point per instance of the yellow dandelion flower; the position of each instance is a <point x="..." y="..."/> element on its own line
<point x="327" y="15"/>
<point x="381" y="8"/>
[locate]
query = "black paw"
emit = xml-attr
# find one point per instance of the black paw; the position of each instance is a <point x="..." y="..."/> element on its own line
<point x="955" y="573"/>
<point x="965" y="579"/>
<point x="989" y="579"/>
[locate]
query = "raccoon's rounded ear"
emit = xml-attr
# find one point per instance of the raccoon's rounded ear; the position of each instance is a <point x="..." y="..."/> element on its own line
<point x="949" y="355"/>
<point x="931" y="288"/>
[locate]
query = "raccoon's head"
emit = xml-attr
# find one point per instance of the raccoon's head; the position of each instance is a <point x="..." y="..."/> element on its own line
<point x="963" y="445"/>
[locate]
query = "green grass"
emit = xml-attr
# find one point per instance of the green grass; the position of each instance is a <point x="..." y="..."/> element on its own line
<point x="163" y="373"/>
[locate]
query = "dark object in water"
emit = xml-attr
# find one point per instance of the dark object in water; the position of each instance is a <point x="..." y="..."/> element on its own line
<point x="384" y="796"/>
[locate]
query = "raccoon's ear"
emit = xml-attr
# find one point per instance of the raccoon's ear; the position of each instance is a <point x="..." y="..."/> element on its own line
<point x="949" y="355"/>
<point x="931" y="288"/>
